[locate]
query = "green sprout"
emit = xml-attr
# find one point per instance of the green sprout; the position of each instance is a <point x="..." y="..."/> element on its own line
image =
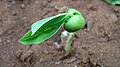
<point x="46" y="28"/>
<point x="114" y="2"/>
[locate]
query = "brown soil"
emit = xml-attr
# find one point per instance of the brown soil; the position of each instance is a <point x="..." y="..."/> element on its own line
<point x="98" y="48"/>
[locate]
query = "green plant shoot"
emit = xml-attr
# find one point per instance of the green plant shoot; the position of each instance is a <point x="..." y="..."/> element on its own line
<point x="46" y="28"/>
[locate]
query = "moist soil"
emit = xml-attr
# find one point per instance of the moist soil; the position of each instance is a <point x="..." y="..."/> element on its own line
<point x="100" y="47"/>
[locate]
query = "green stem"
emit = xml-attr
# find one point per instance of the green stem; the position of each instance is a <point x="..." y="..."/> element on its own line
<point x="67" y="47"/>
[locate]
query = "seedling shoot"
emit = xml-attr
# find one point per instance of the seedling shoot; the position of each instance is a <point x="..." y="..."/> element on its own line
<point x="44" y="29"/>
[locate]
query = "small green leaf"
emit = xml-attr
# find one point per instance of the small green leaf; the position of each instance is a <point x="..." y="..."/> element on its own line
<point x="113" y="1"/>
<point x="45" y="31"/>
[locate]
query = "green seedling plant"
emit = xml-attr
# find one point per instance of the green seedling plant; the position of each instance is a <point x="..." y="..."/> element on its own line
<point x="114" y="2"/>
<point x="46" y="28"/>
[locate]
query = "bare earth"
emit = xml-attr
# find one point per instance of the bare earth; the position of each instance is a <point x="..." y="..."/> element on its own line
<point x="98" y="48"/>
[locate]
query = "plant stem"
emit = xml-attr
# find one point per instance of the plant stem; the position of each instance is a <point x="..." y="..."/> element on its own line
<point x="69" y="41"/>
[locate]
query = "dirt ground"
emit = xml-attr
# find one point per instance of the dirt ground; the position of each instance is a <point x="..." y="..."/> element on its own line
<point x="98" y="48"/>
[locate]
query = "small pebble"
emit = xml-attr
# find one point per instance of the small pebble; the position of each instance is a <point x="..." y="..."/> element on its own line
<point x="9" y="5"/>
<point x="114" y="17"/>
<point x="37" y="2"/>
<point x="57" y="45"/>
<point x="41" y="60"/>
<point x="8" y="41"/>
<point x="58" y="62"/>
<point x="23" y="6"/>
<point x="14" y="13"/>
<point x="76" y="66"/>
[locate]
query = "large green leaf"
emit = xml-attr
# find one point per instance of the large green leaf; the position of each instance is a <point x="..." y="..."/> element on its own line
<point x="35" y="26"/>
<point x="44" y="30"/>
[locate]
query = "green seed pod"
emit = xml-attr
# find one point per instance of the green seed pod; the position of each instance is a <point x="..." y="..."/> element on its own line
<point x="75" y="23"/>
